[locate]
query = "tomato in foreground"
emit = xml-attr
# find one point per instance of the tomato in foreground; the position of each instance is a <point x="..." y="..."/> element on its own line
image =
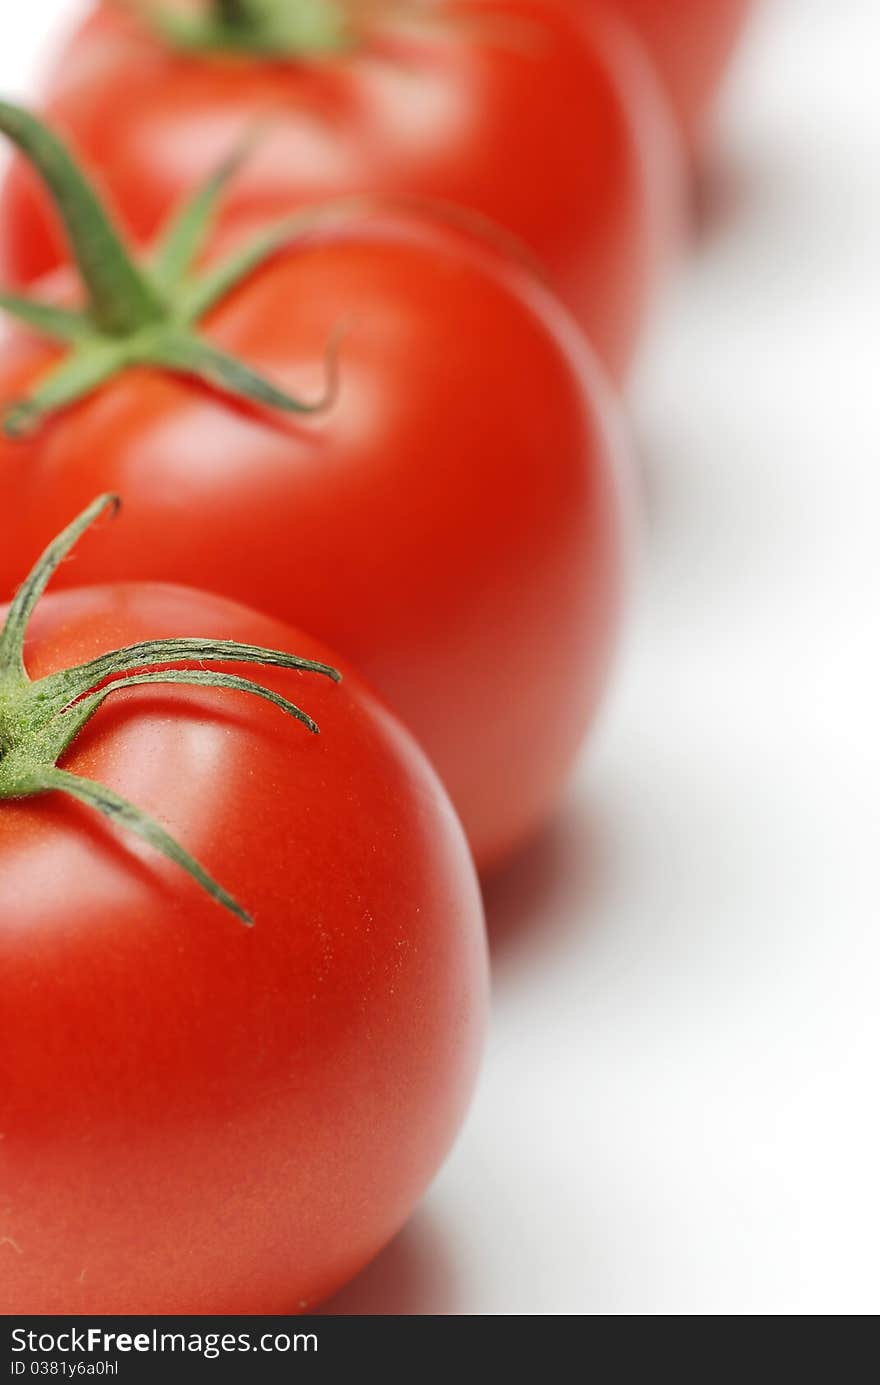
<point x="449" y="517"/>
<point x="200" y="1116"/>
<point x="691" y="42"/>
<point x="533" y="113"/>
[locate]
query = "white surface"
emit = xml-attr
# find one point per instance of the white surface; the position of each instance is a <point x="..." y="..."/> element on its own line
<point x="679" y="1112"/>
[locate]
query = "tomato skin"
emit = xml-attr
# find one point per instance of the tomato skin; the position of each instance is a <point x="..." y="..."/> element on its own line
<point x="201" y="1117"/>
<point x="535" y="114"/>
<point x="453" y="523"/>
<point x="691" y="42"/>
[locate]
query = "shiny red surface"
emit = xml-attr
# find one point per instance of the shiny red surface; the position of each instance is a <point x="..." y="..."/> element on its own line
<point x="200" y="1117"/>
<point x="452" y="523"/>
<point x="536" y="114"/>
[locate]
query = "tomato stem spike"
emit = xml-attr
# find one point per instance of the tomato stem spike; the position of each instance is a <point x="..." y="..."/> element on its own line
<point x="63" y="687"/>
<point x="46" y="318"/>
<point x="125" y="815"/>
<point x="40" y="720"/>
<point x="143" y="316"/>
<point x="80" y="713"/>
<point x="12" y="636"/>
<point x="187" y="229"/>
<point x="239" y="13"/>
<point x="77" y="375"/>
<point x="213" y="284"/>
<point x="186" y="354"/>
<point x="267" y="28"/>
<point x="121" y="299"/>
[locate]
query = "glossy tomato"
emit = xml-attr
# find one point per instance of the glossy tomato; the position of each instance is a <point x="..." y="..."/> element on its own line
<point x="452" y="522"/>
<point x="691" y="42"/>
<point x="544" y="118"/>
<point x="197" y="1116"/>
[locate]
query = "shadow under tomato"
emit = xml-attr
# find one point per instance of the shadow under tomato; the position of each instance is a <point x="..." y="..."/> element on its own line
<point x="720" y="192"/>
<point x="529" y="902"/>
<point x="413" y="1276"/>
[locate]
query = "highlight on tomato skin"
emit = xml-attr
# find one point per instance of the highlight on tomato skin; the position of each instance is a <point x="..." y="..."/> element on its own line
<point x="391" y="433"/>
<point x="198" y="1116"/>
<point x="538" y="114"/>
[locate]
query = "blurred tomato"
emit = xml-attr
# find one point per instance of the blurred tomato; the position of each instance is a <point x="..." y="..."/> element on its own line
<point x="451" y="523"/>
<point x="691" y="42"/>
<point x="537" y="114"/>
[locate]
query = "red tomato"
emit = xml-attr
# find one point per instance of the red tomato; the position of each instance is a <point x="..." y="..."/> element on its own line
<point x="691" y="42"/>
<point x="200" y="1117"/>
<point x="547" y="121"/>
<point x="452" y="523"/>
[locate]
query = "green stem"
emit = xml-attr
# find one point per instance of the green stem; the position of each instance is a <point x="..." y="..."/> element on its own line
<point x="12" y="636"/>
<point x="79" y="374"/>
<point x="39" y="721"/>
<point x="189" y="355"/>
<point x="237" y="14"/>
<point x="131" y="819"/>
<point x="188" y="226"/>
<point x="270" y="29"/>
<point x="82" y="712"/>
<point x="62" y="688"/>
<point x="61" y="324"/>
<point x="142" y="315"/>
<point x="121" y="299"/>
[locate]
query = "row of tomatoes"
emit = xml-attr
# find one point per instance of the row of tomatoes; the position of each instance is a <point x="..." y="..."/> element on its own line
<point x="384" y="422"/>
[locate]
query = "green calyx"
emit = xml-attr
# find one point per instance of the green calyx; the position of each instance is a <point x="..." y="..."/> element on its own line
<point x="138" y="314"/>
<point x="40" y="719"/>
<point x="280" y="29"/>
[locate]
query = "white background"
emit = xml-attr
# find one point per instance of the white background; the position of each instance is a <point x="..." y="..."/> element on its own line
<point x="679" y="1110"/>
